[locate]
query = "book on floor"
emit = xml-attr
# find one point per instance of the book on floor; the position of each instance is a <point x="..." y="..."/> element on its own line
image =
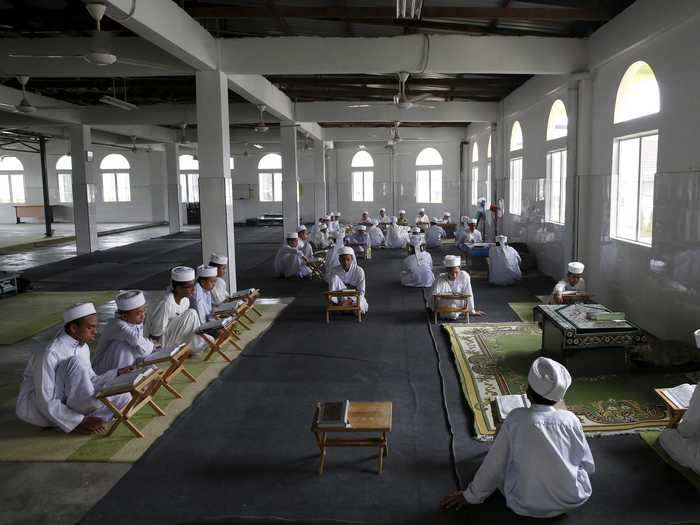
<point x="680" y="394"/>
<point x="125" y="382"/>
<point x="333" y="414"/>
<point x="506" y="404"/>
<point x="164" y="354"/>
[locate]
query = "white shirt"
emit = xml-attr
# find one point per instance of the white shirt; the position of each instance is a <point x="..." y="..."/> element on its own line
<point x="353" y="278"/>
<point x="462" y="285"/>
<point x="384" y="219"/>
<point x="418" y="270"/>
<point x="376" y="235"/>
<point x="289" y="262"/>
<point x="201" y="303"/>
<point x="166" y="310"/>
<point x="504" y="265"/>
<point x="683" y="443"/>
<point x="564" y="286"/>
<point x="306" y="249"/>
<point x="474" y="236"/>
<point x="219" y="293"/>
<point x="396" y="236"/>
<point x="422" y="219"/>
<point x="434" y="235"/>
<point x="541" y="462"/>
<point x="121" y="344"/>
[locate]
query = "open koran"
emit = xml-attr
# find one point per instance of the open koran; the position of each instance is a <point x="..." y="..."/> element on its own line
<point x="333" y="414"/>
<point x="241" y="293"/>
<point x="214" y="325"/>
<point x="225" y="307"/>
<point x="125" y="382"/>
<point x="680" y="394"/>
<point x="164" y="354"/>
<point x="504" y="405"/>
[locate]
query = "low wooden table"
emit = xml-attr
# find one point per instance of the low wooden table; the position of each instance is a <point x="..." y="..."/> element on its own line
<point x="366" y="417"/>
<point x="677" y="412"/>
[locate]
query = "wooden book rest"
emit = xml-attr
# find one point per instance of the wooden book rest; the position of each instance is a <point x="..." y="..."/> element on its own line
<point x="177" y="366"/>
<point x="342" y="295"/>
<point x="226" y="335"/>
<point x="439" y="310"/>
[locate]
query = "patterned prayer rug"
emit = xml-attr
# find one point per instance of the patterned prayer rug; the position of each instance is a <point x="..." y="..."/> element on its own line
<point x="494" y="358"/>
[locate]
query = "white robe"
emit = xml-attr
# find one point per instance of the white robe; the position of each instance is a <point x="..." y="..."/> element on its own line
<point x="174" y="323"/>
<point x="418" y="270"/>
<point x="306" y="249"/>
<point x="121" y="344"/>
<point x="384" y="220"/>
<point x="434" y="235"/>
<point x="376" y="236"/>
<point x="320" y="239"/>
<point x="289" y="262"/>
<point x="353" y="278"/>
<point x="462" y="284"/>
<point x="564" y="286"/>
<point x="504" y="265"/>
<point x="474" y="236"/>
<point x="683" y="442"/>
<point x="219" y="293"/>
<point x="59" y="386"/>
<point x="201" y="302"/>
<point x="422" y="220"/>
<point x="540" y="461"/>
<point x="396" y="236"/>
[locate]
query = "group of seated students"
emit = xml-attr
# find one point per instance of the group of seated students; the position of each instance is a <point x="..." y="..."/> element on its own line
<point x="61" y="381"/>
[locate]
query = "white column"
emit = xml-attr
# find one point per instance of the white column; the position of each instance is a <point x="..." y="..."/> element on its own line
<point x="319" y="153"/>
<point x="583" y="159"/>
<point x="84" y="190"/>
<point x="290" y="176"/>
<point x="173" y="184"/>
<point x="215" y="184"/>
<point x="572" y="182"/>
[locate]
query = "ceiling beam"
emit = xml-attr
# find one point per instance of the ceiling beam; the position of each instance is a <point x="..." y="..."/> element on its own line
<point x="443" y="112"/>
<point x="165" y="114"/>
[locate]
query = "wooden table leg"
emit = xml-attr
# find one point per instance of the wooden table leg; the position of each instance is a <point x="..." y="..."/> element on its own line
<point x="187" y="374"/>
<point x="172" y="390"/>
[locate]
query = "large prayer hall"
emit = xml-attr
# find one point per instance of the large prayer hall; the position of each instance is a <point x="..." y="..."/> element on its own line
<point x="349" y="262"/>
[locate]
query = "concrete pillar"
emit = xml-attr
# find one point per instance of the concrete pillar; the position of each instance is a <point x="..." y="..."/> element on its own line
<point x="290" y="176"/>
<point x="84" y="189"/>
<point x="572" y="183"/>
<point x="319" y="153"/>
<point x="215" y="184"/>
<point x="584" y="140"/>
<point x="172" y="171"/>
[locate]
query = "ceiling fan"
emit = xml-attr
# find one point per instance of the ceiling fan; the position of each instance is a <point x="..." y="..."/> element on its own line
<point x="401" y="100"/>
<point x="261" y="127"/>
<point x="100" y="53"/>
<point x="24" y="106"/>
<point x="394" y="137"/>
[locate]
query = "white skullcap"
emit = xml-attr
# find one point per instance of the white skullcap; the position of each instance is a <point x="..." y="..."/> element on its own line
<point x="323" y="227"/>
<point x="447" y="214"/>
<point x="362" y="228"/>
<point x="130" y="300"/>
<point x="501" y="238"/>
<point x="78" y="311"/>
<point x="422" y="210"/>
<point x="182" y="274"/>
<point x="415" y="229"/>
<point x="433" y="219"/>
<point x="375" y="222"/>
<point x="382" y="209"/>
<point x="301" y="228"/>
<point x="452" y="261"/>
<point x="345" y="250"/>
<point x="697" y="338"/>
<point x="292" y="235"/>
<point x="365" y="212"/>
<point x="472" y="221"/>
<point x="218" y="259"/>
<point x="575" y="268"/>
<point x="206" y="271"/>
<point x="402" y="211"/>
<point x="549" y="379"/>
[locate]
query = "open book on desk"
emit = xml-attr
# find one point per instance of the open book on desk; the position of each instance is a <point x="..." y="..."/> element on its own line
<point x="680" y="395"/>
<point x="227" y="307"/>
<point x="504" y="405"/>
<point x="241" y="293"/>
<point x="164" y="354"/>
<point x="333" y="414"/>
<point x="214" y="325"/>
<point x="126" y="382"/>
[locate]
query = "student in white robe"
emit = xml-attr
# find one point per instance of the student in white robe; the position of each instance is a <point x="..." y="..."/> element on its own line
<point x="122" y="343"/>
<point x="220" y="292"/>
<point x="422" y="218"/>
<point x="304" y="243"/>
<point x="365" y="218"/>
<point x="201" y="300"/>
<point x="504" y="263"/>
<point x="446" y="218"/>
<point x="473" y="235"/>
<point x="396" y="236"/>
<point x="333" y="224"/>
<point x="402" y="219"/>
<point x="320" y="239"/>
<point x="455" y="280"/>
<point x="289" y="261"/>
<point x="359" y="239"/>
<point x="462" y="234"/>
<point x="172" y="322"/>
<point x="573" y="282"/>
<point x="59" y="386"/>
<point x="315" y="228"/>
<point x="434" y="234"/>
<point x="349" y="276"/>
<point x="376" y="235"/>
<point x="383" y="217"/>
<point x="416" y="236"/>
<point x="418" y="266"/>
<point x="683" y="442"/>
<point x="540" y="459"/>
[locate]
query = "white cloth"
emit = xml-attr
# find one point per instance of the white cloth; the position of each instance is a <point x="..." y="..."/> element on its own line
<point x="462" y="284"/>
<point x="201" y="303"/>
<point x="219" y="294"/>
<point x="683" y="443"/>
<point x="289" y="262"/>
<point x="332" y="260"/>
<point x="121" y="344"/>
<point x="306" y="249"/>
<point x="396" y="236"/>
<point x="174" y="323"/>
<point x="59" y="386"/>
<point x="564" y="286"/>
<point x="353" y="278"/>
<point x="504" y="265"/>
<point x="540" y="461"/>
<point x="434" y="235"/>
<point x="418" y="270"/>
<point x="384" y="219"/>
<point x="422" y="220"/>
<point x="320" y="239"/>
<point x="376" y="236"/>
<point x="474" y="236"/>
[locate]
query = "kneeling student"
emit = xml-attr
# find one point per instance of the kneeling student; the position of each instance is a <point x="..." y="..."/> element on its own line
<point x="435" y="234"/>
<point x="201" y="301"/>
<point x="289" y="261"/>
<point x="220" y="292"/>
<point x="418" y="266"/>
<point x="348" y="275"/>
<point x="573" y="282"/>
<point x="504" y="263"/>
<point x="455" y="281"/>
<point x="540" y="459"/>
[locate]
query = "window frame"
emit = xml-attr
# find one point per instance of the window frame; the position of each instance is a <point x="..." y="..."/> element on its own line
<point x="512" y="207"/>
<point x="276" y="184"/>
<point x="11" y="175"/>
<point x="548" y="198"/>
<point x="66" y="198"/>
<point x="434" y="171"/>
<point x="367" y="185"/>
<point x="113" y="173"/>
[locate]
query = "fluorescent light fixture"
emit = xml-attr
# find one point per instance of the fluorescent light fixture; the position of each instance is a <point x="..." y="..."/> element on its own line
<point x="361" y="146"/>
<point x="117" y="103"/>
<point x="359" y="106"/>
<point x="258" y="146"/>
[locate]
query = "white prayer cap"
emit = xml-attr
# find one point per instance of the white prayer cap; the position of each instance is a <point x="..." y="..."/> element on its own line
<point x="575" y="268"/>
<point x="375" y="222"/>
<point x="292" y="235"/>
<point x="365" y="212"/>
<point x="501" y="238"/>
<point x="78" y="311"/>
<point x="345" y="250"/>
<point x="452" y="261"/>
<point x="206" y="271"/>
<point x="218" y="259"/>
<point x="362" y="228"/>
<point x="327" y="218"/>
<point x="549" y="379"/>
<point x="697" y="337"/>
<point x="422" y="210"/>
<point x="182" y="274"/>
<point x="433" y="219"/>
<point x="415" y="229"/>
<point x="301" y="228"/>
<point x="382" y="209"/>
<point x="323" y="227"/>
<point x="402" y="211"/>
<point x="472" y="221"/>
<point x="130" y="300"/>
<point x="446" y="214"/>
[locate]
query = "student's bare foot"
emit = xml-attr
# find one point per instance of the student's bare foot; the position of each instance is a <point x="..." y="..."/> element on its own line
<point x="90" y="425"/>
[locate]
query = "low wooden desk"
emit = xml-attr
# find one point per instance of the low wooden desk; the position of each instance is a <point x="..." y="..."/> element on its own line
<point x="677" y="412"/>
<point x="31" y="211"/>
<point x="366" y="417"/>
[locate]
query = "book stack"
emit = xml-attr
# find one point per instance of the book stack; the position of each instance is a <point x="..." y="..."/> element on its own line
<point x="333" y="414"/>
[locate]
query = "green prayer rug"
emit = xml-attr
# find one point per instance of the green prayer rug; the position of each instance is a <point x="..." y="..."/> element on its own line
<point x="494" y="359"/>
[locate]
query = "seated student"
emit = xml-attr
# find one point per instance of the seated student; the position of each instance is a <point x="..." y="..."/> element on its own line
<point x="434" y="235"/>
<point x="446" y="218"/>
<point x="289" y="261"/>
<point x="462" y="234"/>
<point x="376" y="235"/>
<point x="172" y="322"/>
<point x="333" y="224"/>
<point x="317" y="225"/>
<point x="572" y="283"/>
<point x="383" y="217"/>
<point x="59" y="385"/>
<point x="422" y="218"/>
<point x="402" y="219"/>
<point x="418" y="266"/>
<point x="122" y="342"/>
<point x="220" y="292"/>
<point x="304" y="243"/>
<point x="683" y="442"/>
<point x="365" y="218"/>
<point x="473" y="235"/>
<point x="348" y="275"/>
<point x="540" y="459"/>
<point x="455" y="280"/>
<point x="201" y="301"/>
<point x="359" y="239"/>
<point x="320" y="239"/>
<point x="396" y="236"/>
<point x="504" y="261"/>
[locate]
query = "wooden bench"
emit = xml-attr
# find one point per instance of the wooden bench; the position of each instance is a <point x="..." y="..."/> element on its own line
<point x="439" y="309"/>
<point x="341" y="296"/>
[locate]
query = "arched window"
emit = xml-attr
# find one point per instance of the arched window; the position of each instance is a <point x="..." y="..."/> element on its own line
<point x="115" y="178"/>
<point x="638" y="93"/>
<point x="11" y="180"/>
<point x="558" y="121"/>
<point x="475" y="174"/>
<point x="270" y="178"/>
<point x="362" y="166"/>
<point x="429" y="176"/>
<point x="515" y="181"/>
<point x="189" y="178"/>
<point x="64" y="169"/>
